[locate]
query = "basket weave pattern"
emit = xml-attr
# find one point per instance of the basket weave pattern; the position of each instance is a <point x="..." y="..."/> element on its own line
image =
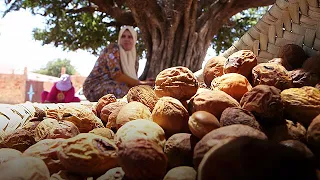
<point x="286" y="22"/>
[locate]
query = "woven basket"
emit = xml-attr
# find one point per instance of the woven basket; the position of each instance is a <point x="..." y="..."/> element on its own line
<point x="286" y="22"/>
<point x="15" y="116"/>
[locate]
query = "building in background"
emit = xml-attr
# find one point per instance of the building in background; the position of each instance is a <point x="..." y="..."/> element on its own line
<point x="21" y="86"/>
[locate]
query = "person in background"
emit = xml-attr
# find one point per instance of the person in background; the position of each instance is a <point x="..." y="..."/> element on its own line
<point x="62" y="91"/>
<point x="115" y="71"/>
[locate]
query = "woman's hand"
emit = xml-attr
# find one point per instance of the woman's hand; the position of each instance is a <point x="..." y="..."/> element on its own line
<point x="147" y="82"/>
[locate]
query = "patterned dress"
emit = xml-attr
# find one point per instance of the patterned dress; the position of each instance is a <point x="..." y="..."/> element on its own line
<point x="101" y="79"/>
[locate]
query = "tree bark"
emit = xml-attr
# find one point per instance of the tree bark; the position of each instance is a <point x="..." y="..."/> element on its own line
<point x="179" y="32"/>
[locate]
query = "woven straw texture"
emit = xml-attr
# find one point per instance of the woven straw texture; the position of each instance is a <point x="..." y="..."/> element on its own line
<point x="286" y="22"/>
<point x="15" y="116"/>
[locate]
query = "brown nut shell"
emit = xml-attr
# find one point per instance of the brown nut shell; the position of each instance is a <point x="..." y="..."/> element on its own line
<point x="264" y="102"/>
<point x="51" y="129"/>
<point x="241" y="62"/>
<point x="104" y="132"/>
<point x="179" y="149"/>
<point x="7" y="154"/>
<point x="79" y="115"/>
<point x="223" y="135"/>
<point x="104" y="100"/>
<point x="237" y="115"/>
<point x="233" y="84"/>
<point x="301" y="77"/>
<point x="132" y="111"/>
<point x="24" y="168"/>
<point x="287" y="131"/>
<point x="213" y="69"/>
<point x="293" y="56"/>
<point x="18" y="139"/>
<point x="214" y="102"/>
<point x="113" y="174"/>
<point x="144" y="94"/>
<point x="142" y="159"/>
<point x="313" y="136"/>
<point x="181" y="172"/>
<point x="171" y="115"/>
<point x="271" y="74"/>
<point x="140" y="129"/>
<point x="301" y="104"/>
<point x="178" y="82"/>
<point x="299" y="146"/>
<point x="88" y="154"/>
<point x="110" y="112"/>
<point x="47" y="150"/>
<point x="201" y="123"/>
<point x="312" y="64"/>
<point x="244" y="156"/>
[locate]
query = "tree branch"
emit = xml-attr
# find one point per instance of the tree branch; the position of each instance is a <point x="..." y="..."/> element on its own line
<point x="111" y="8"/>
<point x="90" y="9"/>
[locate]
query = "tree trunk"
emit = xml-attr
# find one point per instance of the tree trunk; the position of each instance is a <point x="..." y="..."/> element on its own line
<point x="179" y="32"/>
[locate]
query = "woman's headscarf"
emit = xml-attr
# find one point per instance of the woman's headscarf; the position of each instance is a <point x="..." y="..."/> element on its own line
<point x="128" y="58"/>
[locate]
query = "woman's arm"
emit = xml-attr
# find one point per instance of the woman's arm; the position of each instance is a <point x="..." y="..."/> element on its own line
<point x="126" y="79"/>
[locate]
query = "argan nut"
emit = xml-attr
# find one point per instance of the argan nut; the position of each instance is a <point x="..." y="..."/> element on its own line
<point x="237" y="115"/>
<point x="233" y="84"/>
<point x="219" y="135"/>
<point x="301" y="77"/>
<point x="201" y="123"/>
<point x="47" y="150"/>
<point x="52" y="129"/>
<point x="142" y="159"/>
<point x="132" y="111"/>
<point x="264" y="102"/>
<point x="177" y="82"/>
<point x="171" y="115"/>
<point x="251" y="158"/>
<point x="292" y="55"/>
<point x="88" y="154"/>
<point x="181" y="172"/>
<point x="113" y="174"/>
<point x="240" y="62"/>
<point x="214" y="102"/>
<point x="286" y="131"/>
<point x="179" y="149"/>
<point x="143" y="94"/>
<point x="301" y="104"/>
<point x="271" y="74"/>
<point x="299" y="146"/>
<point x="24" y="168"/>
<point x="104" y="132"/>
<point x="79" y="115"/>
<point x="213" y="69"/>
<point x="312" y="64"/>
<point x="18" y="139"/>
<point x="104" y="100"/>
<point x="7" y="154"/>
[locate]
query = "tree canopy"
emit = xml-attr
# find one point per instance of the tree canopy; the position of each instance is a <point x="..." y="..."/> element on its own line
<point x="186" y="26"/>
<point x="53" y="68"/>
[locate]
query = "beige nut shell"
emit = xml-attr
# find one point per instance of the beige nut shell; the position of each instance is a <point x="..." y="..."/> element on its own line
<point x="178" y="82"/>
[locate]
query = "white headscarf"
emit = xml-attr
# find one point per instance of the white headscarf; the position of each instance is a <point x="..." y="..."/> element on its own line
<point x="128" y="58"/>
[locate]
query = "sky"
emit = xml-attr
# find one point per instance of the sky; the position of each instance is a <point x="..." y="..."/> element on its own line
<point x="18" y="49"/>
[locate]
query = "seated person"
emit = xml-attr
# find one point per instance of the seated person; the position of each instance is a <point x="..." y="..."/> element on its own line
<point x="115" y="71"/>
<point x="61" y="92"/>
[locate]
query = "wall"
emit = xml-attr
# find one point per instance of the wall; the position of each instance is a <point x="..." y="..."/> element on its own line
<point x="12" y="88"/>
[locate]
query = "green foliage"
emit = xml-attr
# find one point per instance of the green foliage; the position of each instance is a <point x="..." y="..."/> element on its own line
<point x="53" y="68"/>
<point x="238" y="25"/>
<point x="90" y="31"/>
